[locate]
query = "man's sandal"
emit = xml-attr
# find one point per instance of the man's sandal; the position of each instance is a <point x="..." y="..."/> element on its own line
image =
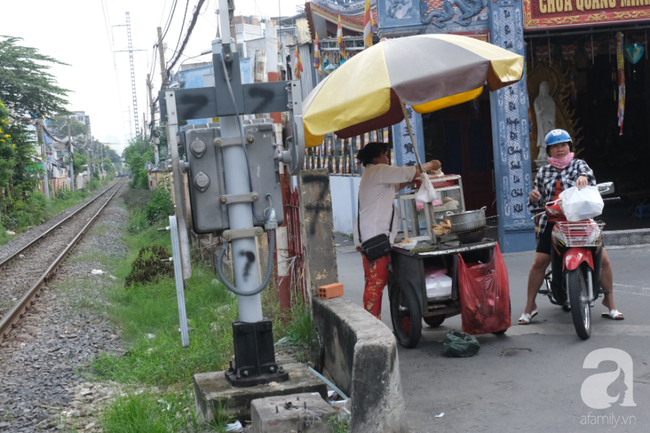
<point x="527" y="317"/>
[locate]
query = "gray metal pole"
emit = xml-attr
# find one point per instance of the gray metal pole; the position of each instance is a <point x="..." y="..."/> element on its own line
<point x="240" y="215"/>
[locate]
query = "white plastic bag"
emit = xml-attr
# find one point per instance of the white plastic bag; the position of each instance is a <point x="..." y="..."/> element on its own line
<point x="580" y="204"/>
<point x="426" y="193"/>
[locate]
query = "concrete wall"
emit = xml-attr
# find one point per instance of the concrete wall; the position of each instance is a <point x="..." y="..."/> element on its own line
<point x="345" y="193"/>
<point x="361" y="357"/>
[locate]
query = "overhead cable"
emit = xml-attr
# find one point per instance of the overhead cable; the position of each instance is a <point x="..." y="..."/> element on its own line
<point x="195" y="16"/>
<point x="180" y="34"/>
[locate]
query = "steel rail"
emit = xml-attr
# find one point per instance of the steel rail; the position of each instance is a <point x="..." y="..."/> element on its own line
<point x="44" y="234"/>
<point x="22" y="306"/>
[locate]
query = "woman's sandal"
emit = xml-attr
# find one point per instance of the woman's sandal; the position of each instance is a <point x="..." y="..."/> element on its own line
<point x="613" y="314"/>
<point x="527" y="317"/>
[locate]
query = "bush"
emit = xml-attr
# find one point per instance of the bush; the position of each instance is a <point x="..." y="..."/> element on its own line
<point x="37" y="205"/>
<point x="160" y="206"/>
<point x="63" y="194"/>
<point x="23" y="219"/>
<point x="4" y="237"/>
<point x="138" y="222"/>
<point x="9" y="222"/>
<point x="94" y="184"/>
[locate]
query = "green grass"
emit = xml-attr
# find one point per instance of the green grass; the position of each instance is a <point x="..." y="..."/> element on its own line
<point x="150" y="412"/>
<point x="56" y="205"/>
<point x="152" y="309"/>
<point x="300" y="330"/>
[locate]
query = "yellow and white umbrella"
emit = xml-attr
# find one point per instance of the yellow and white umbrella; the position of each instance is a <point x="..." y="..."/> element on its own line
<point x="427" y="72"/>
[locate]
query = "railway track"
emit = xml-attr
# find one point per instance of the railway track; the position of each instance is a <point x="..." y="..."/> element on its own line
<point x="24" y="273"/>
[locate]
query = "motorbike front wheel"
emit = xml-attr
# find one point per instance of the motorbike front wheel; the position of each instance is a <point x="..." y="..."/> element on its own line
<point x="580" y="305"/>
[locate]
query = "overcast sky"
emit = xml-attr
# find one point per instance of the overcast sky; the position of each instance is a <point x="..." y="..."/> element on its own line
<point x="79" y="33"/>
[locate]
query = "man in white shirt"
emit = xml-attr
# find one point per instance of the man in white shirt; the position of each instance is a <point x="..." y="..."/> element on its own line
<point x="379" y="183"/>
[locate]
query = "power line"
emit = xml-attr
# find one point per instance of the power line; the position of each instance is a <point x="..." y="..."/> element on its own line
<point x="180" y="34"/>
<point x="108" y="34"/>
<point x="169" y="20"/>
<point x="162" y="13"/>
<point x="195" y="16"/>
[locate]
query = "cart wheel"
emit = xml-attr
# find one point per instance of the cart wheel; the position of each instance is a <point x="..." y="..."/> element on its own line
<point x="406" y="317"/>
<point x="435" y="321"/>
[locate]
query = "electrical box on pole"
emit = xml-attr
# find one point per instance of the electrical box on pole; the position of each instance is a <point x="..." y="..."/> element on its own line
<point x="232" y="170"/>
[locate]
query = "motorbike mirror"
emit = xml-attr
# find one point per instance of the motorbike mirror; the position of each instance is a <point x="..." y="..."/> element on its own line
<point x="606" y="188"/>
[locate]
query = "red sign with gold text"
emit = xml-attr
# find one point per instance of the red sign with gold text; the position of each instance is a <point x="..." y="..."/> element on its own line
<point x="542" y="14"/>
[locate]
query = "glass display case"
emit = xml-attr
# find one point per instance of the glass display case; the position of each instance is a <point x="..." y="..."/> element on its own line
<point x="417" y="218"/>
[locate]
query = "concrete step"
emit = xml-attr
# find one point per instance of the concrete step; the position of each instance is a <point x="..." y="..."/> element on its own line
<point x="626" y="237"/>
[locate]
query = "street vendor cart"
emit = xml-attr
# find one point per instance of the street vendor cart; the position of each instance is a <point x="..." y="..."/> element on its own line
<point x="424" y="278"/>
<point x="407" y="288"/>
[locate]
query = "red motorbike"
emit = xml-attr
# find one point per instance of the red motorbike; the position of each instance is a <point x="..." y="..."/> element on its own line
<point x="573" y="280"/>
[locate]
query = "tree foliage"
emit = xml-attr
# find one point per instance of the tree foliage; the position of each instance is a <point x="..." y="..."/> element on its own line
<point x="26" y="86"/>
<point x="27" y="90"/>
<point x="136" y="155"/>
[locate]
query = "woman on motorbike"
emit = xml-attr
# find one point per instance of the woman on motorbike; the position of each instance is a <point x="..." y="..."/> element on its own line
<point x="562" y="172"/>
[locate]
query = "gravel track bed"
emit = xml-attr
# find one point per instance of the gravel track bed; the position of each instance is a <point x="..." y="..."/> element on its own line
<point x="20" y="274"/>
<point x="40" y="389"/>
<point x="22" y="239"/>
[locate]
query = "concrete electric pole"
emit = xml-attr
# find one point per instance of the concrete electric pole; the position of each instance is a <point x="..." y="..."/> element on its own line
<point x="154" y="132"/>
<point x="71" y="156"/>
<point x="41" y="141"/>
<point x="161" y="54"/>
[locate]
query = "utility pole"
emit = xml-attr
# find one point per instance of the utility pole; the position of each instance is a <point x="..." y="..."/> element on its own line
<point x="71" y="156"/>
<point x="161" y="54"/>
<point x="41" y="141"/>
<point x="163" y="76"/>
<point x="88" y="153"/>
<point x="154" y="133"/>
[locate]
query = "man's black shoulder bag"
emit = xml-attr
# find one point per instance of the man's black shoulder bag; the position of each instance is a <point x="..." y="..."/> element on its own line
<point x="377" y="246"/>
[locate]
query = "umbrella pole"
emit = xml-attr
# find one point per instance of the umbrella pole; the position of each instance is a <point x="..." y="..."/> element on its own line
<point x="415" y="145"/>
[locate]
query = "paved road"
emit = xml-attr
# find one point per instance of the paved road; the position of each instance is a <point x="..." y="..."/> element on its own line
<point x="529" y="380"/>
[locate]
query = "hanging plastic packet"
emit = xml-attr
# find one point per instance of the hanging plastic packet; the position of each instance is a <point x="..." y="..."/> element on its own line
<point x="426" y="193"/>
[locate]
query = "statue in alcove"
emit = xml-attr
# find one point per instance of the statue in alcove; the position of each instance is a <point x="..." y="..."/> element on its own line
<point x="545" y="117"/>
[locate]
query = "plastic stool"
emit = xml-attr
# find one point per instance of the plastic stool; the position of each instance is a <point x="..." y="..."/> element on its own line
<point x="642" y="211"/>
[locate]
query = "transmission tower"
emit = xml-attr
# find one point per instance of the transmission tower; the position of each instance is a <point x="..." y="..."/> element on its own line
<point x="130" y="51"/>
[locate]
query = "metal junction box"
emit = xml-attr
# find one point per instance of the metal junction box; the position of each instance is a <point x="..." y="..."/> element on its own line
<point x="205" y="171"/>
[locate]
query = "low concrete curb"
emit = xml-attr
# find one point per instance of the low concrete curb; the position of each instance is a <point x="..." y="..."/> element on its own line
<point x="361" y="357"/>
<point x="626" y="237"/>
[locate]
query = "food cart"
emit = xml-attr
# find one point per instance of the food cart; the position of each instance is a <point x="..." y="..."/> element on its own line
<point x="413" y="295"/>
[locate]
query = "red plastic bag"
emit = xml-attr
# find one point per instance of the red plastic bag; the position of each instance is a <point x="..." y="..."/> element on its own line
<point x="484" y="295"/>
